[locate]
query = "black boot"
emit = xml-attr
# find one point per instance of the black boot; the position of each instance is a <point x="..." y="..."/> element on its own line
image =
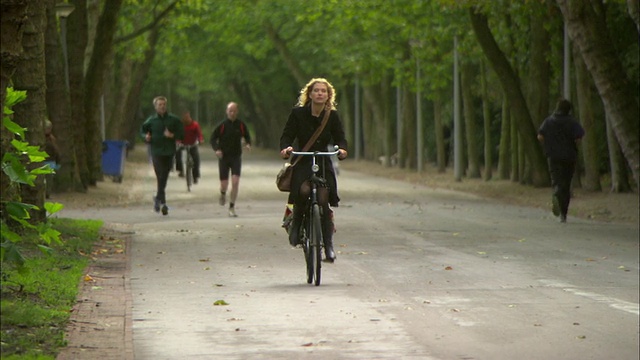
<point x="327" y="234"/>
<point x="294" y="228"/>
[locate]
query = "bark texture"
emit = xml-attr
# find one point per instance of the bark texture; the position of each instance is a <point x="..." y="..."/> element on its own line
<point x="32" y="112"/>
<point x="589" y="32"/>
<point x="511" y="86"/>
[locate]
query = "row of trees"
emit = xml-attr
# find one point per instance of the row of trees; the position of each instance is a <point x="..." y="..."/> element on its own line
<point x="392" y="63"/>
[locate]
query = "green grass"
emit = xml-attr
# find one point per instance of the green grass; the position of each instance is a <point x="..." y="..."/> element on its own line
<point x="36" y="304"/>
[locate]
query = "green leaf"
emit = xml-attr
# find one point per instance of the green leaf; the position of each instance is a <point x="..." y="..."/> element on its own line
<point x="45" y="250"/>
<point x="53" y="207"/>
<point x="16" y="171"/>
<point x="19" y="210"/>
<point x="50" y="235"/>
<point x="13" y="127"/>
<point x="8" y="234"/>
<point x="11" y="252"/>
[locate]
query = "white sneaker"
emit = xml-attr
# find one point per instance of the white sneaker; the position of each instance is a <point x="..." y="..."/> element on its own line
<point x="232" y="212"/>
<point x="223" y="199"/>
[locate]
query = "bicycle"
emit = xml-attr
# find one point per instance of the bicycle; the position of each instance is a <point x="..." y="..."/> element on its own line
<point x="311" y="225"/>
<point x="188" y="171"/>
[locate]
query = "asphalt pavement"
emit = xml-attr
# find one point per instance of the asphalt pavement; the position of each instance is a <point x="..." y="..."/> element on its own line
<point x="421" y="274"/>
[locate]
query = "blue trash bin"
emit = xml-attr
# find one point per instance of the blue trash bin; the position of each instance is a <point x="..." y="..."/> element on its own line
<point x="113" y="155"/>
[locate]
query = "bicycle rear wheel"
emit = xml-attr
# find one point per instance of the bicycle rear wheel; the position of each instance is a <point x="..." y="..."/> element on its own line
<point x="316" y="243"/>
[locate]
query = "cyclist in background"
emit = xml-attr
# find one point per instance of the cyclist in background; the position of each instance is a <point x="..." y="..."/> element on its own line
<point x="192" y="136"/>
<point x="227" y="140"/>
<point x="316" y="97"/>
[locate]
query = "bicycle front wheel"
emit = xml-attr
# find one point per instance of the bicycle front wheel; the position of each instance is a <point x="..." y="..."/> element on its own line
<point x="316" y="243"/>
<point x="306" y="247"/>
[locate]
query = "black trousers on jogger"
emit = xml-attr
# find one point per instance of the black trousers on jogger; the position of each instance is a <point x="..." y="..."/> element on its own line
<point x="162" y="166"/>
<point x="561" y="175"/>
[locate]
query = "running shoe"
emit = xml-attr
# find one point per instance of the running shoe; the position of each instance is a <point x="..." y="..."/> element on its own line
<point x="232" y="212"/>
<point x="165" y="209"/>
<point x="223" y="199"/>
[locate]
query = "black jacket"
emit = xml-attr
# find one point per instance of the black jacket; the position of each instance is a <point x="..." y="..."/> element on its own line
<point x="228" y="135"/>
<point x="560" y="133"/>
<point x="299" y="128"/>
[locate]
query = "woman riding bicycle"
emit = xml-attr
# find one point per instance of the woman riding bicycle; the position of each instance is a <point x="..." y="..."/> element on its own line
<point x="316" y="97"/>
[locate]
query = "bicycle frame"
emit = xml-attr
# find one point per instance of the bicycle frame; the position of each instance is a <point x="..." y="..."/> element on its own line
<point x="311" y="227"/>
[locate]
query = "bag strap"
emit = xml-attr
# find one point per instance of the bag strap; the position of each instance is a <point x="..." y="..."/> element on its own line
<point x="316" y="134"/>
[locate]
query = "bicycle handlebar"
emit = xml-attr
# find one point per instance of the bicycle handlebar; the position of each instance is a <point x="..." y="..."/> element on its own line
<point x="319" y="153"/>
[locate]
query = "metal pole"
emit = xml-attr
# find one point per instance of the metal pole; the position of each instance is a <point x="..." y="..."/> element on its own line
<point x="357" y="118"/>
<point x="419" y="118"/>
<point x="398" y="121"/>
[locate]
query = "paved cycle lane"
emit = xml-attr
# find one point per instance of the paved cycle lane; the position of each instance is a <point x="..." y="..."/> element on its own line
<point x="421" y="274"/>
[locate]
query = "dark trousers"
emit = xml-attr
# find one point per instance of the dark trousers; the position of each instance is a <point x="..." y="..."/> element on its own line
<point x="561" y="176"/>
<point x="195" y="154"/>
<point x="162" y="166"/>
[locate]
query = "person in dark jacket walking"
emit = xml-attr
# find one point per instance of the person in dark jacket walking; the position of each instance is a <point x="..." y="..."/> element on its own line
<point x="161" y="131"/>
<point x="560" y="134"/>
<point x="316" y="97"/>
<point x="227" y="141"/>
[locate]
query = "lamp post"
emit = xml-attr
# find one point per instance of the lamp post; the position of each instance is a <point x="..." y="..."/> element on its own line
<point x="63" y="10"/>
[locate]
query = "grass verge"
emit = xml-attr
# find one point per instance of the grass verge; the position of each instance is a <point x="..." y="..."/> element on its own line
<point x="36" y="304"/>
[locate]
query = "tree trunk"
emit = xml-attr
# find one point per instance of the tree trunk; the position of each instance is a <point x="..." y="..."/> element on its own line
<point x="510" y="85"/>
<point x="486" y="115"/>
<point x="132" y="101"/>
<point x="590" y="141"/>
<point x="59" y="106"/>
<point x="12" y="25"/>
<point x="94" y="86"/>
<point x="589" y="32"/>
<point x="32" y="112"/>
<point x="441" y="154"/>
<point x="473" y="167"/>
<point x="515" y="142"/>
<point x="504" y="161"/>
<point x="634" y="13"/>
<point x="14" y="16"/>
<point x="76" y="45"/>
<point x="409" y="129"/>
<point x="375" y="127"/>
<point x="539" y="73"/>
<point x="619" y="174"/>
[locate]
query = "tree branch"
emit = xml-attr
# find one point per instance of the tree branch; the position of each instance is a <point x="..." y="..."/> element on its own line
<point x="149" y="26"/>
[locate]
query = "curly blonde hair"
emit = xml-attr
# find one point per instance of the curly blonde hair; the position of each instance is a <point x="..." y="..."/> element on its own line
<point x="304" y="99"/>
